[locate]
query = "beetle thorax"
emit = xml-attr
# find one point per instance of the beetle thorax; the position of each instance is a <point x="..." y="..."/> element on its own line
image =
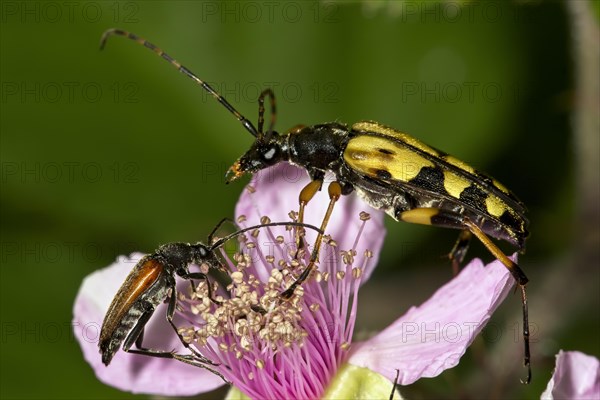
<point x="318" y="147"/>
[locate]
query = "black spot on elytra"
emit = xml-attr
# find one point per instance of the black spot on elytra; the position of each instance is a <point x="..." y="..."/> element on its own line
<point x="386" y="151"/>
<point x="508" y="219"/>
<point x="430" y="178"/>
<point x="383" y="174"/>
<point x="475" y="197"/>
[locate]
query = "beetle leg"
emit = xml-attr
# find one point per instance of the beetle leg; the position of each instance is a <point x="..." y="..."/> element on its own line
<point x="201" y="276"/>
<point x="335" y="192"/>
<point x="395" y="384"/>
<point x="459" y="250"/>
<point x="305" y="196"/>
<point x="170" y="314"/>
<point x="136" y="335"/>
<point x="191" y="359"/>
<point x="443" y="218"/>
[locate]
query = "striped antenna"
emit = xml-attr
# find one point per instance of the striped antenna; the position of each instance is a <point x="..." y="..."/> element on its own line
<point x="118" y="32"/>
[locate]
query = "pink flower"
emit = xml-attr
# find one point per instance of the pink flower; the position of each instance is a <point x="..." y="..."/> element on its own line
<point x="301" y="348"/>
<point x="576" y="376"/>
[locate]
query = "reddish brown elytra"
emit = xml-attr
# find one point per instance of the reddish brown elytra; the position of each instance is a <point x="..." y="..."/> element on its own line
<point x="152" y="281"/>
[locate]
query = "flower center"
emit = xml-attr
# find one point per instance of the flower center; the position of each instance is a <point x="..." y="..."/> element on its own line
<point x="247" y="327"/>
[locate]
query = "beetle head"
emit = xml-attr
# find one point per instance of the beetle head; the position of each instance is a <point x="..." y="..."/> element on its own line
<point x="265" y="152"/>
<point x="205" y="255"/>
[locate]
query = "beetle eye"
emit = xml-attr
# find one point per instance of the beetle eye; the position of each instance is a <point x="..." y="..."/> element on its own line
<point x="269" y="156"/>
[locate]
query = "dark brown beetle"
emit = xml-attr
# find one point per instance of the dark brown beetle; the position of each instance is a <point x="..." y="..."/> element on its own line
<point x="152" y="281"/>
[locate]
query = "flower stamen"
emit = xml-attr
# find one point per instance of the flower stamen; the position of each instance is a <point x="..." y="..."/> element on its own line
<point x="263" y="341"/>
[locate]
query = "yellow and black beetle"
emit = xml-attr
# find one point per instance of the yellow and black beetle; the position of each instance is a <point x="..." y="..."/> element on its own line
<point x="391" y="171"/>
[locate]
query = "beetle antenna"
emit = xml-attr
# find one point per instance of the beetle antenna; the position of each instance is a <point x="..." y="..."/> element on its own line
<point x="216" y="228"/>
<point x="118" y="32"/>
<point x="261" y="114"/>
<point x="220" y="242"/>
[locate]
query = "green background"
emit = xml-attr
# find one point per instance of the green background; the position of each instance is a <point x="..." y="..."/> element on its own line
<point x="105" y="153"/>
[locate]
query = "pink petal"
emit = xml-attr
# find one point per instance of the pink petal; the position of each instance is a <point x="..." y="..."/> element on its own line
<point x="433" y="337"/>
<point x="275" y="194"/>
<point x="577" y="376"/>
<point x="131" y="372"/>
